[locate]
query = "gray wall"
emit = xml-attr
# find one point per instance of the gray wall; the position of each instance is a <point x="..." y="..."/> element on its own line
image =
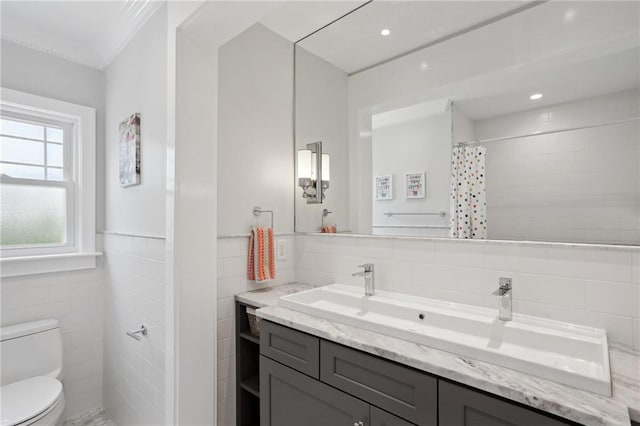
<point x="32" y="71"/>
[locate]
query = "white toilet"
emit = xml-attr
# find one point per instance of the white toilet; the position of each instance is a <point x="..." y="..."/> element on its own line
<point x="30" y="373"/>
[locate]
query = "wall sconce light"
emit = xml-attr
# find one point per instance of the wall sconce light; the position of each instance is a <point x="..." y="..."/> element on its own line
<point x="313" y="167"/>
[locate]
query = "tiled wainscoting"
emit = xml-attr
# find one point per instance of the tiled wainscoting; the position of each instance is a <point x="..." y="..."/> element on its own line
<point x="74" y="298"/>
<point x="232" y="279"/>
<point x="581" y="285"/>
<point x="134" y="294"/>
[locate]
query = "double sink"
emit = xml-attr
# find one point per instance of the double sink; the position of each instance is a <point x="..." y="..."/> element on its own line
<point x="573" y="355"/>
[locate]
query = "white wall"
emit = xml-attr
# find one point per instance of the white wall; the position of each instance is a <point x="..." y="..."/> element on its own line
<point x="255" y="166"/>
<point x="136" y="81"/>
<point x="578" y="186"/>
<point x="232" y="279"/>
<point x="134" y="371"/>
<point x="192" y="209"/>
<point x="595" y="286"/>
<point x="74" y="298"/>
<point x="195" y="231"/>
<point x="135" y="284"/>
<point x="420" y="144"/>
<point x="322" y="115"/>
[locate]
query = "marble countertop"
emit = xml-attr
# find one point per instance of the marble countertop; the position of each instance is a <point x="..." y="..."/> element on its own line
<point x="269" y="296"/>
<point x="565" y="401"/>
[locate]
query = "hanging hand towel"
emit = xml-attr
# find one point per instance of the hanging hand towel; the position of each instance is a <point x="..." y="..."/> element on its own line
<point x="330" y="229"/>
<point x="262" y="261"/>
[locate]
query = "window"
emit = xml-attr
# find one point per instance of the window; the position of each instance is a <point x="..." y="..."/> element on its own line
<point x="37" y="182"/>
<point x="47" y="184"/>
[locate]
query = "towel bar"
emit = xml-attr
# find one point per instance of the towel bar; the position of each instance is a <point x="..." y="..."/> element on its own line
<point x="257" y="211"/>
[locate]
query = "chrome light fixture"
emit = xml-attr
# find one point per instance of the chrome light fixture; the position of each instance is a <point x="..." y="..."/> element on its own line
<point x="313" y="167"/>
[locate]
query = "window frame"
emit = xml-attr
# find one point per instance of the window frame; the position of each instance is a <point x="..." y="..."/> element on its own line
<point x="79" y="253"/>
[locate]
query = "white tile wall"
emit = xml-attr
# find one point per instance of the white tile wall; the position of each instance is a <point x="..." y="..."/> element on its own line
<point x="232" y="279"/>
<point x="134" y="294"/>
<point x="75" y="299"/>
<point x="579" y="186"/>
<point x="582" y="285"/>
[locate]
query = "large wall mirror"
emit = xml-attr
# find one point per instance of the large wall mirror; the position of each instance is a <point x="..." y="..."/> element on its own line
<point x="501" y="120"/>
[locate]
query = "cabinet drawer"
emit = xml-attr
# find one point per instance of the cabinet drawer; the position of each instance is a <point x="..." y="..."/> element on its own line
<point x="460" y="406"/>
<point x="399" y="390"/>
<point x="293" y="348"/>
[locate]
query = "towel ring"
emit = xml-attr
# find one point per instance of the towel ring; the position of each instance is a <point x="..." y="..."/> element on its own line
<point x="257" y="211"/>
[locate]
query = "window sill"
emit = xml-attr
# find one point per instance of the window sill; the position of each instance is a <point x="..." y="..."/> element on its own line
<point x="29" y="265"/>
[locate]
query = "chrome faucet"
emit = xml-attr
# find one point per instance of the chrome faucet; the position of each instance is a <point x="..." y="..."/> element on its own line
<point x="506" y="299"/>
<point x="369" y="278"/>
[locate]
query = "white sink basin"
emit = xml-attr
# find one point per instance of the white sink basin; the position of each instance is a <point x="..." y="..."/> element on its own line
<point x="569" y="354"/>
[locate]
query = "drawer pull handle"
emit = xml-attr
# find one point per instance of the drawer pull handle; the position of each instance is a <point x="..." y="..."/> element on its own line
<point x="358" y="424"/>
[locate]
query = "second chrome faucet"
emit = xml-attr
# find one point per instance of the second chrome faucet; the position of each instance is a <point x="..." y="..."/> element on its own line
<point x="369" y="278"/>
<point x="505" y="291"/>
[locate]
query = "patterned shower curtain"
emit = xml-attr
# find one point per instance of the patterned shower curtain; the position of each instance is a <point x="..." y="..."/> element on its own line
<point x="468" y="193"/>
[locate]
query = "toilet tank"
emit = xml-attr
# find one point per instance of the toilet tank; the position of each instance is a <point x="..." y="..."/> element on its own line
<point x="30" y="349"/>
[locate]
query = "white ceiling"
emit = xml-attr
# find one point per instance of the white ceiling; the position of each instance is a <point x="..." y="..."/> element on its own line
<point x="566" y="50"/>
<point x="290" y="19"/>
<point x="354" y="42"/>
<point x="509" y="92"/>
<point x="91" y="33"/>
<point x="296" y="19"/>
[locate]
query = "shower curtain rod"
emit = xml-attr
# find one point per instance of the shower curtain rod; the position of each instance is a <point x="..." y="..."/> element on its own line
<point x="547" y="132"/>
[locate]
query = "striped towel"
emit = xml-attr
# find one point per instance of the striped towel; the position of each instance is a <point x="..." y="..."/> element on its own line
<point x="262" y="255"/>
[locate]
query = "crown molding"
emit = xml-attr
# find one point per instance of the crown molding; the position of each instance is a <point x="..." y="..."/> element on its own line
<point x="52" y="52"/>
<point x="97" y="55"/>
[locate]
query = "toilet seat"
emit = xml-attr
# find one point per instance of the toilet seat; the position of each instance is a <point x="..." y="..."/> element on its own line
<point x="28" y="401"/>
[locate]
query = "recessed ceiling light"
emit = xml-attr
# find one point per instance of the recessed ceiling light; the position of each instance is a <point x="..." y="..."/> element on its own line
<point x="424" y="65"/>
<point x="569" y="15"/>
<point x="385" y="32"/>
<point x="535" y="96"/>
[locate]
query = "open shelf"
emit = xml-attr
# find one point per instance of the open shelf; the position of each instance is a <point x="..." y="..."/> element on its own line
<point x="250" y="337"/>
<point x="251" y="385"/>
<point x="247" y="370"/>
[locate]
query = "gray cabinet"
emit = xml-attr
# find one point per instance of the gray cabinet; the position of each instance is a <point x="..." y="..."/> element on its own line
<point x="310" y="381"/>
<point x="460" y="406"/>
<point x="298" y="350"/>
<point x="408" y="393"/>
<point x="291" y="398"/>
<point x="382" y="418"/>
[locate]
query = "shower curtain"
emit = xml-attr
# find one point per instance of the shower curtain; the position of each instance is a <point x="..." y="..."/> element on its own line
<point x="468" y="193"/>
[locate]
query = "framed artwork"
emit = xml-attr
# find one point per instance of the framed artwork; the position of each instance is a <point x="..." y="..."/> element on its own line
<point x="130" y="151"/>
<point x="415" y="185"/>
<point x="384" y="188"/>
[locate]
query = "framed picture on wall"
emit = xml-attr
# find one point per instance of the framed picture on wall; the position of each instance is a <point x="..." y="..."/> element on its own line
<point x="415" y="185"/>
<point x="129" y="150"/>
<point x="384" y="188"/>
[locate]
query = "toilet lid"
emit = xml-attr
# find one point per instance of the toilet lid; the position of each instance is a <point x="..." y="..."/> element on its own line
<point x="23" y="400"/>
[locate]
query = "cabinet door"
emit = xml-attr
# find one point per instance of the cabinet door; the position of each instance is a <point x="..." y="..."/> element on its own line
<point x="289" y="398"/>
<point x="382" y="418"/>
<point x="460" y="406"/>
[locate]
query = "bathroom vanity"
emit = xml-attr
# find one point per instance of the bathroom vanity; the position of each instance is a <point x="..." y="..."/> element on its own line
<point x="316" y="370"/>
<point x="338" y="385"/>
